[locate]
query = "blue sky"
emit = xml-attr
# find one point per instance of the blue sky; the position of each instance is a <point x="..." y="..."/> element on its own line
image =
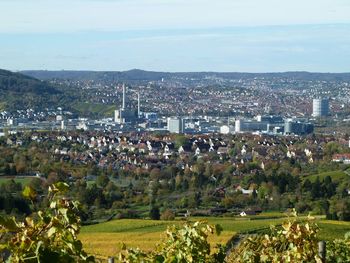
<point x="176" y="35"/>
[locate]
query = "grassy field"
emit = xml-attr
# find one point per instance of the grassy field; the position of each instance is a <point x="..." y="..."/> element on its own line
<point x="333" y="229"/>
<point x="106" y="239"/>
<point x="335" y="175"/>
<point x="100" y="109"/>
<point x="23" y="181"/>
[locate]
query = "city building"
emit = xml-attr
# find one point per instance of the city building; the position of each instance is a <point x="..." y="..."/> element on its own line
<point x="150" y="116"/>
<point x="11" y="122"/>
<point x="250" y="126"/>
<point x="272" y="119"/>
<point x="63" y="125"/>
<point x="320" y="107"/>
<point x="175" y="125"/>
<point x="298" y="127"/>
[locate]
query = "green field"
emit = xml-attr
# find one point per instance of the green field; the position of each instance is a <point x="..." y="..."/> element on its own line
<point x="336" y="176"/>
<point x="99" y="109"/>
<point x="106" y="239"/>
<point x="23" y="181"/>
<point x="332" y="229"/>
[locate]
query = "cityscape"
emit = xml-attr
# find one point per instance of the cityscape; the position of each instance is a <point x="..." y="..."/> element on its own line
<point x="294" y="108"/>
<point x="174" y="131"/>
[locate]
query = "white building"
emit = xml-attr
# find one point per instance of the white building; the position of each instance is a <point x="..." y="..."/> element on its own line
<point x="320" y="107"/>
<point x="175" y="125"/>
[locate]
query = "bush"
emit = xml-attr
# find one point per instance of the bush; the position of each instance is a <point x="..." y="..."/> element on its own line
<point x="186" y="244"/>
<point x="295" y="242"/>
<point x="339" y="250"/>
<point x="52" y="237"/>
<point x="167" y="215"/>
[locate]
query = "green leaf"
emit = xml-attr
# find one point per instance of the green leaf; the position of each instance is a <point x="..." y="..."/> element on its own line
<point x="59" y="188"/>
<point x="9" y="224"/>
<point x="51" y="231"/>
<point x="29" y="193"/>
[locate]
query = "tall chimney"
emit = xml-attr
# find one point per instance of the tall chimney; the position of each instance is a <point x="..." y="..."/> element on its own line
<point x="138" y="104"/>
<point x="123" y="107"/>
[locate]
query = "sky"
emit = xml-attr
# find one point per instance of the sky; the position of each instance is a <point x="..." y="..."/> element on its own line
<point x="176" y="35"/>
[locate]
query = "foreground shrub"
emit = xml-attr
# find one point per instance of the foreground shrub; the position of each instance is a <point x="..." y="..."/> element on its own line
<point x="295" y="242"/>
<point x="50" y="237"/>
<point x="186" y="244"/>
<point x="339" y="250"/>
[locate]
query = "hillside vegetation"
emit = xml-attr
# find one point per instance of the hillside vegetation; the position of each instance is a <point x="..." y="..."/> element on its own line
<point x="18" y="91"/>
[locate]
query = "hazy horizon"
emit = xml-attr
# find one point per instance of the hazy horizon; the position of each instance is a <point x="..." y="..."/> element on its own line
<point x="175" y="35"/>
<point x="163" y="71"/>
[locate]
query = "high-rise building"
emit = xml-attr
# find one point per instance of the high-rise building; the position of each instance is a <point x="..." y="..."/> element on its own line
<point x="175" y="125"/>
<point x="320" y="107"/>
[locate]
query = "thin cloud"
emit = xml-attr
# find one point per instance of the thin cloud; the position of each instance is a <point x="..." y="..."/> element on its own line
<point x="27" y="16"/>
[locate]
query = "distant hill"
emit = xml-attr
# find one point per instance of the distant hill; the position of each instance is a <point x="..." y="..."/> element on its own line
<point x="17" y="82"/>
<point x="131" y="75"/>
<point x="18" y="91"/>
<point x="138" y="75"/>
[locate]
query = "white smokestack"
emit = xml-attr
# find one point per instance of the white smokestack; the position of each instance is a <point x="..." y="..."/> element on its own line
<point x="123" y="107"/>
<point x="138" y="104"/>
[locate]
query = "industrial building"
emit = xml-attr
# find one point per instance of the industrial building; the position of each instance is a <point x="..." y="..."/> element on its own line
<point x="126" y="113"/>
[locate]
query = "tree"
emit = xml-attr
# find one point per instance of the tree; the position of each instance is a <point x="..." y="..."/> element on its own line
<point x="180" y="140"/>
<point x="154" y="213"/>
<point x="316" y="188"/>
<point x="155" y="174"/>
<point x="102" y="180"/>
<point x="332" y="148"/>
<point x="339" y="210"/>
